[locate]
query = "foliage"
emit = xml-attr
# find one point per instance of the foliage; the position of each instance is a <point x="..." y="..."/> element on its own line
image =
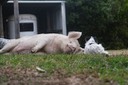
<point x="105" y="19"/>
<point x="105" y="68"/>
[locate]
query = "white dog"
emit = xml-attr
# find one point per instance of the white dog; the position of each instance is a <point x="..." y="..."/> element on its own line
<point x="45" y="43"/>
<point x="91" y="47"/>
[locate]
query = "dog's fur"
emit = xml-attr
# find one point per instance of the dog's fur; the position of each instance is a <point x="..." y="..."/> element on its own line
<point x="91" y="47"/>
<point x="45" y="43"/>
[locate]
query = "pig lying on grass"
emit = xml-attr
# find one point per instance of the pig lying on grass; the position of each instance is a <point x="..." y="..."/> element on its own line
<point x="45" y="43"/>
<point x="91" y="47"/>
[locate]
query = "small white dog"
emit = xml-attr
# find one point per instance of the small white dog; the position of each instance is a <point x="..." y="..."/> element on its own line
<point x="91" y="47"/>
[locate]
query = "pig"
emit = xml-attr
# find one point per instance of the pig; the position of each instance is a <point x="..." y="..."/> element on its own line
<point x="45" y="43"/>
<point x="91" y="47"/>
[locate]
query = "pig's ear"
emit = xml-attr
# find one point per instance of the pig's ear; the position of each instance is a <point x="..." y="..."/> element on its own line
<point x="74" y="35"/>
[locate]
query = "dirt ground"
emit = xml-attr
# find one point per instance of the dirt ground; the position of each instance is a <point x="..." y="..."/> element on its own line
<point x="12" y="76"/>
<point x="118" y="52"/>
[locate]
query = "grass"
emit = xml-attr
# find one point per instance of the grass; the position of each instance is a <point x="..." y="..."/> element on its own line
<point x="107" y="68"/>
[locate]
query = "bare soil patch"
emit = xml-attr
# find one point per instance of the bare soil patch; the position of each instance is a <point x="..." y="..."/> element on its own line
<point x="118" y="52"/>
<point x="11" y="76"/>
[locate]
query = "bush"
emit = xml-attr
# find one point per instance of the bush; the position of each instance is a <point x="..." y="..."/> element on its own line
<point x="107" y="20"/>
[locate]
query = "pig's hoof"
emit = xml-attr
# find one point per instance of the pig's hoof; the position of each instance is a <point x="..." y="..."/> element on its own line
<point x="33" y="51"/>
<point x="1" y="51"/>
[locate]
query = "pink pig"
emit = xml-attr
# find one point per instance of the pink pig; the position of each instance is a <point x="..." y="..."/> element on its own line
<point x="45" y="43"/>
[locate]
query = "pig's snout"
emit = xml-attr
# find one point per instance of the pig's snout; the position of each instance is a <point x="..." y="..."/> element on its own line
<point x="72" y="48"/>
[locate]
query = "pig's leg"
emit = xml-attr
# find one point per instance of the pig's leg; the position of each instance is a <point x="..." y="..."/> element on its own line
<point x="79" y="50"/>
<point x="9" y="46"/>
<point x="38" y="46"/>
<point x="23" y="48"/>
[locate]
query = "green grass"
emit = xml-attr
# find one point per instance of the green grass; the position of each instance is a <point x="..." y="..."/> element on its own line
<point x="107" y="68"/>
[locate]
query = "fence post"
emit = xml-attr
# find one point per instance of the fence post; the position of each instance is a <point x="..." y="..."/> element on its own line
<point x="16" y="19"/>
<point x="1" y="22"/>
